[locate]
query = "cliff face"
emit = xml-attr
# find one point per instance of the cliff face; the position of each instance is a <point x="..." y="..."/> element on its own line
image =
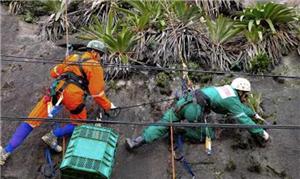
<point x="234" y="153"/>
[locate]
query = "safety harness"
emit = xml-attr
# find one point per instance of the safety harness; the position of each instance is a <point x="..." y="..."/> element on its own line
<point x="48" y="169"/>
<point x="180" y="156"/>
<point x="71" y="78"/>
<point x="198" y="97"/>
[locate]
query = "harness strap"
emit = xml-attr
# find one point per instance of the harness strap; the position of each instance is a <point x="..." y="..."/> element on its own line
<point x="48" y="170"/>
<point x="80" y="81"/>
<point x="185" y="164"/>
<point x="81" y="68"/>
<point x="203" y="100"/>
<point x="78" y="109"/>
<point x="200" y="98"/>
<point x="55" y="94"/>
<point x="179" y="108"/>
<point x="62" y="88"/>
<point x="83" y="73"/>
<point x="70" y="77"/>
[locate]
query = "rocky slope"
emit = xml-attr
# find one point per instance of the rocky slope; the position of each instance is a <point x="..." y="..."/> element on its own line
<point x="234" y="153"/>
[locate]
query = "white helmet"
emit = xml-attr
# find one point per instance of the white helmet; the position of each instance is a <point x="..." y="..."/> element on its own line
<point x="241" y="84"/>
<point x="97" y="45"/>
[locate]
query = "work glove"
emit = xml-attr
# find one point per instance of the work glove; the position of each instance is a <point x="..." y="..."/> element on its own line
<point x="113" y="112"/>
<point x="266" y="136"/>
<point x="258" y="117"/>
<point x="263" y="139"/>
<point x="112" y="106"/>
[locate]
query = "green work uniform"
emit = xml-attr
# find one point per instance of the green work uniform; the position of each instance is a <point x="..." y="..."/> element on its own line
<point x="225" y="100"/>
<point x="191" y="111"/>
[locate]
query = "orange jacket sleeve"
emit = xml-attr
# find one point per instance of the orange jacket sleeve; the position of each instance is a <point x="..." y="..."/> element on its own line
<point x="57" y="70"/>
<point x="97" y="85"/>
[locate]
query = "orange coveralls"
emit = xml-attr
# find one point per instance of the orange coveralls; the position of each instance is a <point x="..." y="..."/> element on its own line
<point x="72" y="94"/>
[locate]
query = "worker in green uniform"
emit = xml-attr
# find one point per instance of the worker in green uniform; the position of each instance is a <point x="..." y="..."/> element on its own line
<point x="197" y="104"/>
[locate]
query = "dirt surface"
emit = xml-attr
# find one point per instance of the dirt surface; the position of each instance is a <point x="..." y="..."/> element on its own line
<point x="234" y="153"/>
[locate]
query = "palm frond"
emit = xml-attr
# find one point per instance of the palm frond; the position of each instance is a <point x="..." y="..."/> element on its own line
<point x="268" y="16"/>
<point x="221" y="30"/>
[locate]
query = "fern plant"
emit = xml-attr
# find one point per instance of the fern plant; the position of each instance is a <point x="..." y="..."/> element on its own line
<point x="220" y="32"/>
<point x="118" y="38"/>
<point x="269" y="28"/>
<point x="260" y="63"/>
<point x="175" y="43"/>
<point x="268" y="16"/>
<point x="185" y="12"/>
<point x="57" y="24"/>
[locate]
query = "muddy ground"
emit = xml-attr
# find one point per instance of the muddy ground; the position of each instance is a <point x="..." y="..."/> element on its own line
<point x="234" y="153"/>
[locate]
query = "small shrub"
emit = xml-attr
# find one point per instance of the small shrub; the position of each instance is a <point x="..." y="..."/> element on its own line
<point x="260" y="63"/>
<point x="255" y="101"/>
<point x="162" y="80"/>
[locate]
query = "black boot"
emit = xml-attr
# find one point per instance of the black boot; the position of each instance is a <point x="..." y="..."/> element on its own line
<point x="134" y="143"/>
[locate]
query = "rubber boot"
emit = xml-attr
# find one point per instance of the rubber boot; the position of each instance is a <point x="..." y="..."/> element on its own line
<point x="3" y="155"/>
<point x="134" y="143"/>
<point x="51" y="140"/>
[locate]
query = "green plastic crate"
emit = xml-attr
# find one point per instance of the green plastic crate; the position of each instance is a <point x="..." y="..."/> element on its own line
<point x="90" y="153"/>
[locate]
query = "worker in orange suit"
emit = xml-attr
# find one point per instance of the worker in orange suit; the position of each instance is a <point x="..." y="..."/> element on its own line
<point x="77" y="77"/>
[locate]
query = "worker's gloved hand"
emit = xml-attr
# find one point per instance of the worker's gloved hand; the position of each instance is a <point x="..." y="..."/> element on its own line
<point x="113" y="107"/>
<point x="113" y="112"/>
<point x="263" y="139"/>
<point x="258" y="117"/>
<point x="266" y="136"/>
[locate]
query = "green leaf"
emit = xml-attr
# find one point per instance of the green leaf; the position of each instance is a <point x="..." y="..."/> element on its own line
<point x="125" y="11"/>
<point x="57" y="15"/>
<point x="242" y="17"/>
<point x="222" y="29"/>
<point x="250" y="24"/>
<point x="271" y="25"/>
<point x="124" y="58"/>
<point x="260" y="35"/>
<point x="257" y="21"/>
<point x="110" y="22"/>
<point x="185" y="12"/>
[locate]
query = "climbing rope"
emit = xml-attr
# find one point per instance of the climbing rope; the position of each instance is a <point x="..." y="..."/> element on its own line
<point x="146" y="103"/>
<point x="144" y="67"/>
<point x="181" y="158"/>
<point x="48" y="169"/>
<point x="172" y="150"/>
<point x="67" y="27"/>
<point x="91" y="121"/>
<point x="67" y="54"/>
